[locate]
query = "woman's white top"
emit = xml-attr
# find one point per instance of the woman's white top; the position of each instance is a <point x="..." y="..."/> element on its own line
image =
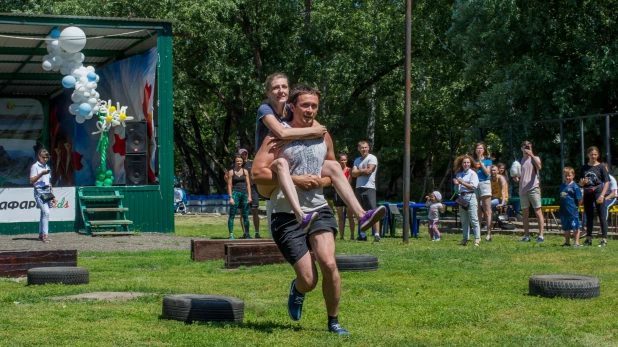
<point x="35" y="170"/>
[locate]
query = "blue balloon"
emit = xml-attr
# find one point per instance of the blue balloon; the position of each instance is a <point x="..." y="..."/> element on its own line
<point x="55" y="33"/>
<point x="91" y="76"/>
<point x="68" y="81"/>
<point x="84" y="109"/>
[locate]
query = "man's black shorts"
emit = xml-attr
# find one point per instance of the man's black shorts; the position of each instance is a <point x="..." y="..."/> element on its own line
<point x="292" y="241"/>
<point x="255" y="197"/>
<point x="367" y="198"/>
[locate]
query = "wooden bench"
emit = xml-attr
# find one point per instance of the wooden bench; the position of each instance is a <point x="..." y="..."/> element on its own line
<point x="252" y="254"/>
<point x="214" y="249"/>
<point x="17" y="263"/>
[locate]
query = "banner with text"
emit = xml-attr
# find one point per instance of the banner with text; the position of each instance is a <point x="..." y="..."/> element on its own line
<point x="18" y="205"/>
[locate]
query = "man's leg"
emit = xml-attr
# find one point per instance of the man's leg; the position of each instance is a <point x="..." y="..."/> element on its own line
<point x="525" y="209"/>
<point x="535" y="202"/>
<point x="323" y="246"/>
<point x="306" y="274"/>
<point x="524" y="213"/>
<point x="540" y="219"/>
<point x="368" y="197"/>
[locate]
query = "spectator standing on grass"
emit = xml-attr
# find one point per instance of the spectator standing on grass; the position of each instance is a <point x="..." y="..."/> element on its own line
<point x="340" y="205"/>
<point x="570" y="200"/>
<point x="434" y="207"/>
<point x="483" y="191"/>
<point x="467" y="181"/>
<point x="530" y="189"/>
<point x="255" y="201"/>
<point x="240" y="197"/>
<point x="364" y="170"/>
<point x="40" y="178"/>
<point x="595" y="182"/>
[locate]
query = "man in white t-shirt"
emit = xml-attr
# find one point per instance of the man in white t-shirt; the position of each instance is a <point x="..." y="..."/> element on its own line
<point x="364" y="171"/>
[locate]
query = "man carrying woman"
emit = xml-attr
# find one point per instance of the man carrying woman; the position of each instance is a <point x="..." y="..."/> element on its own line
<point x="274" y="117"/>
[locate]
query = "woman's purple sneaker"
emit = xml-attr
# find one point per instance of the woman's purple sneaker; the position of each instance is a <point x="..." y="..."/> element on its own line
<point x="372" y="217"/>
<point x="307" y="220"/>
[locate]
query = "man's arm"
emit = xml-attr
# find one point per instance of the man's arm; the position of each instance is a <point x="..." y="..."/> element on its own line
<point x="503" y="188"/>
<point x="262" y="175"/>
<point x="283" y="133"/>
<point x="537" y="163"/>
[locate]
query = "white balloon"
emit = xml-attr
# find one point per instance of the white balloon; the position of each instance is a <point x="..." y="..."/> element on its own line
<point x="72" y="39"/>
<point x="48" y="39"/>
<point x="79" y="119"/>
<point x="90" y="69"/>
<point x="75" y="73"/>
<point x="47" y="65"/>
<point x="91" y="85"/>
<point x="95" y="109"/>
<point x="96" y="95"/>
<point x="88" y="116"/>
<point x="64" y="71"/>
<point x="83" y="79"/>
<point x="47" y="57"/>
<point x="71" y="66"/>
<point x="57" y="52"/>
<point x="57" y="60"/>
<point x="81" y="90"/>
<point x="75" y="97"/>
<point x="97" y="80"/>
<point x="73" y="109"/>
<point x="86" y="95"/>
<point x="50" y="49"/>
<point x="79" y="57"/>
<point x="93" y="102"/>
<point x="55" y="44"/>
<point x="56" y="68"/>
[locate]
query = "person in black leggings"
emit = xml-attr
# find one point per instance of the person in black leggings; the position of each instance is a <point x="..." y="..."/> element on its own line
<point x="594" y="179"/>
<point x="239" y="190"/>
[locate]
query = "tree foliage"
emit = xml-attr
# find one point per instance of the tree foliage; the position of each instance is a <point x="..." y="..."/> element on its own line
<point x="475" y="63"/>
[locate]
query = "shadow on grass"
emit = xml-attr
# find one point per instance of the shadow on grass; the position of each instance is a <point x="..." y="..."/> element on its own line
<point x="266" y="327"/>
<point x="26" y="239"/>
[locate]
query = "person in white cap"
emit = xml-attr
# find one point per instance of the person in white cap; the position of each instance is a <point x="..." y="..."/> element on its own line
<point x="433" y="215"/>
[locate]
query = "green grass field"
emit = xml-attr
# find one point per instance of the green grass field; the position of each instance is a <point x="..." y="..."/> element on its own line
<point x="424" y="293"/>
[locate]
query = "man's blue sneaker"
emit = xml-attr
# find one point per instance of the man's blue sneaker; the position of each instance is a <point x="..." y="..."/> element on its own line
<point x="540" y="239"/>
<point x="525" y="239"/>
<point x="336" y="328"/>
<point x="295" y="302"/>
<point x="231" y="236"/>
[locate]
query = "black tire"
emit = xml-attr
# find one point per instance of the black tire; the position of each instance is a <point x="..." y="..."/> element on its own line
<point x="362" y="262"/>
<point x="565" y="286"/>
<point x="203" y="308"/>
<point x="59" y="274"/>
